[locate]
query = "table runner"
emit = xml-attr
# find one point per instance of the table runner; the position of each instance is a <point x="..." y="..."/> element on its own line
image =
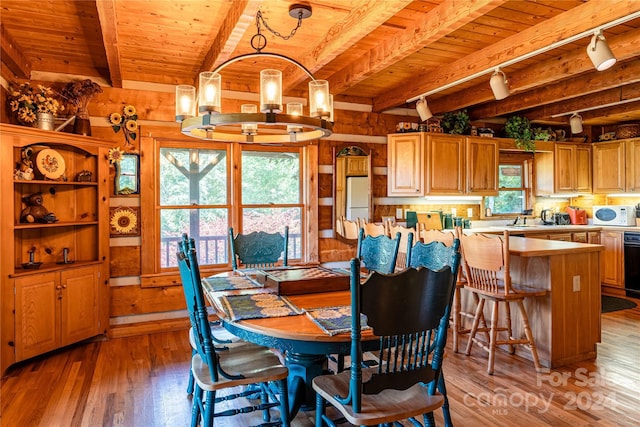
<point x="239" y="307"/>
<point x="335" y="320"/>
<point x="229" y="283"/>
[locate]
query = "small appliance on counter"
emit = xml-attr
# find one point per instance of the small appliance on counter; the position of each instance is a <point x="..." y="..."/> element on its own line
<point x="548" y="217"/>
<point x="577" y="216"/>
<point x="563" y="219"/>
<point x="618" y="215"/>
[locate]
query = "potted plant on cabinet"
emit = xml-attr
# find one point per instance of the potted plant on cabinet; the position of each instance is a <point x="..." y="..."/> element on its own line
<point x="456" y="122"/>
<point x="519" y="128"/>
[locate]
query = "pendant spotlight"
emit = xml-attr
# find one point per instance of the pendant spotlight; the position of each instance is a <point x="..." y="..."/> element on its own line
<point x="263" y="123"/>
<point x="576" y="123"/>
<point x="423" y="109"/>
<point x="600" y="53"/>
<point x="499" y="85"/>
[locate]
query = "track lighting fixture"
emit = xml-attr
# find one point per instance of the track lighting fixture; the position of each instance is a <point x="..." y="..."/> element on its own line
<point x="499" y="85"/>
<point x="423" y="109"/>
<point x="576" y="123"/>
<point x="600" y="53"/>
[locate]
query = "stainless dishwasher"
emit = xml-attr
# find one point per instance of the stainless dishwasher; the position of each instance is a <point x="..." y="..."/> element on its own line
<point x="632" y="263"/>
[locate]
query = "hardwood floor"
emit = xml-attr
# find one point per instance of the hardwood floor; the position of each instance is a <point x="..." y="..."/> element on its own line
<point x="141" y="381"/>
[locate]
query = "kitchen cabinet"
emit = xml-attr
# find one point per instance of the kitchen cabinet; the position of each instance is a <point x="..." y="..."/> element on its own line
<point x="616" y="166"/>
<point x="357" y="165"/>
<point x="566" y="169"/>
<point x="405" y="175"/>
<point x="612" y="258"/>
<point x="55" y="309"/>
<point x="482" y="166"/>
<point x="420" y="164"/>
<point x="50" y="303"/>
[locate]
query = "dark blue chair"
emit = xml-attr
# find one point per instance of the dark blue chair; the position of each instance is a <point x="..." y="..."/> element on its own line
<point x="378" y="253"/>
<point x="258" y="249"/>
<point x="243" y="364"/>
<point x="436" y="255"/>
<point x="408" y="311"/>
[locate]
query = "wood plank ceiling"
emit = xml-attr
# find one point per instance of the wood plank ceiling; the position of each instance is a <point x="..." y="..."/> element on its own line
<point x="379" y="52"/>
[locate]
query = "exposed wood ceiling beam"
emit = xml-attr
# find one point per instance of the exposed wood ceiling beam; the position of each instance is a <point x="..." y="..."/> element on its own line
<point x="108" y="24"/>
<point x="442" y="20"/>
<point x="577" y="20"/>
<point x="570" y="88"/>
<point x="12" y="56"/>
<point x="365" y="17"/>
<point x="625" y="46"/>
<point x="617" y="110"/>
<point x="241" y="15"/>
<point x="598" y="99"/>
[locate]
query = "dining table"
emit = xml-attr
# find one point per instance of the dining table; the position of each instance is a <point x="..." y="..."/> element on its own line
<point x="305" y="336"/>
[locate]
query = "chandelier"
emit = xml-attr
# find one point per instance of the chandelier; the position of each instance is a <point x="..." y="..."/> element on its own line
<point x="266" y="123"/>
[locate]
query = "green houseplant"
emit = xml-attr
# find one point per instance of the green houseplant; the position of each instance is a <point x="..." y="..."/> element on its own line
<point x="519" y="128"/>
<point x="456" y="122"/>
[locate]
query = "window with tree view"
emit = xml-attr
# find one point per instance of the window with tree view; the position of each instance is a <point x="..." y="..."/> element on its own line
<point x="194" y="199"/>
<point x="513" y="189"/>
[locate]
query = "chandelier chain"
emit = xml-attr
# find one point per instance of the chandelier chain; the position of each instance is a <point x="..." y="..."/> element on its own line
<point x="259" y="18"/>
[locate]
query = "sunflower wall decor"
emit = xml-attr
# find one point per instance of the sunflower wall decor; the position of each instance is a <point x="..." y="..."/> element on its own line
<point x="124" y="221"/>
<point x="127" y="121"/>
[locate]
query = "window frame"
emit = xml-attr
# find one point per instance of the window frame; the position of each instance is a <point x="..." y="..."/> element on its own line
<point x="525" y="160"/>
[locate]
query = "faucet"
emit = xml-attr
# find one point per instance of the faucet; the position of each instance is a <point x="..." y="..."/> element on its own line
<point x="515" y="222"/>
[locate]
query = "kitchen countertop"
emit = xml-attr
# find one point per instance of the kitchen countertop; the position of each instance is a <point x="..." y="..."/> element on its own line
<point x="537" y="228"/>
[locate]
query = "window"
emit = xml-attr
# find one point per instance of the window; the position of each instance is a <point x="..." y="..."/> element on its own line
<point x="204" y="188"/>
<point x="513" y="184"/>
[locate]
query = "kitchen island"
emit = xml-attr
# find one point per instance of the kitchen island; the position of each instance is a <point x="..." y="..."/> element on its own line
<point x="566" y="321"/>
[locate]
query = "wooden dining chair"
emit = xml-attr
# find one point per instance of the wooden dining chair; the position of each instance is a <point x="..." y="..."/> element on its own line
<point x="408" y="312"/>
<point x="258" y="249"/>
<point x="435" y="256"/>
<point x="486" y="263"/>
<point x="372" y="229"/>
<point x="243" y="364"/>
<point x="458" y="315"/>
<point x="405" y="233"/>
<point x="378" y="253"/>
<point x="350" y="229"/>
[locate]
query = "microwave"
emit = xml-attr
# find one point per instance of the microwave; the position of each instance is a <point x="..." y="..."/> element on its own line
<point x="620" y="215"/>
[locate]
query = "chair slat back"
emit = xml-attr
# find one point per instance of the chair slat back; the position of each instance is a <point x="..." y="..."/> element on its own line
<point x="373" y="229"/>
<point x="350" y="229"/>
<point x="405" y="310"/>
<point x="378" y="253"/>
<point x="433" y="235"/>
<point x="487" y="262"/>
<point x="258" y="249"/>
<point x="406" y="235"/>
<point x="196" y="305"/>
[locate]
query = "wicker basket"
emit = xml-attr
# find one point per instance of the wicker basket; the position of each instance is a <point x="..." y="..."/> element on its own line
<point x="628" y="131"/>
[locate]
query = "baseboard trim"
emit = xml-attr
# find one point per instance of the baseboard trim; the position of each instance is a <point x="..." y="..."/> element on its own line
<point x="142" y="328"/>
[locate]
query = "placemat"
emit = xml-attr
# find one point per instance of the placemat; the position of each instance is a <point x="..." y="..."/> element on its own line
<point x="231" y="283"/>
<point x="239" y="307"/>
<point x="335" y="320"/>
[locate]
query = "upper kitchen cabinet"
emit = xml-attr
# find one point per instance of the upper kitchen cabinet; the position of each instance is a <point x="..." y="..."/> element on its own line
<point x="566" y="169"/>
<point x="405" y="176"/>
<point x="482" y="166"/>
<point x="422" y="164"/>
<point x="615" y="166"/>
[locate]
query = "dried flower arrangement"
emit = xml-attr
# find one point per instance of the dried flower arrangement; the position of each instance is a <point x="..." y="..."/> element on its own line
<point x="79" y="93"/>
<point x="26" y="101"/>
<point x="127" y="121"/>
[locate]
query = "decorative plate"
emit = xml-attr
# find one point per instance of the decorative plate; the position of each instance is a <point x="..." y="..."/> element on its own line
<point x="50" y="163"/>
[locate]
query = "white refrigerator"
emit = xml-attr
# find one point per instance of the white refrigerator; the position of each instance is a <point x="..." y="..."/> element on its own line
<point x="357" y="197"/>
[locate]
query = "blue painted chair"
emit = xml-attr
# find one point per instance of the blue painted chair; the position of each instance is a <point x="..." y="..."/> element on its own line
<point x="258" y="249"/>
<point x="436" y="255"/>
<point x="241" y="365"/>
<point x="378" y="253"/>
<point x="408" y="311"/>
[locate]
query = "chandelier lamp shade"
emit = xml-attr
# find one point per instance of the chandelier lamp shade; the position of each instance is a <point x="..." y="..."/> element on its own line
<point x="600" y="53"/>
<point x="423" y="109"/>
<point x="499" y="85"/>
<point x="575" y="121"/>
<point x="264" y="123"/>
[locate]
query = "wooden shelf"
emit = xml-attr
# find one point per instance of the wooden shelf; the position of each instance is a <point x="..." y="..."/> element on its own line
<point x="47" y="182"/>
<point x="47" y="268"/>
<point x="23" y="226"/>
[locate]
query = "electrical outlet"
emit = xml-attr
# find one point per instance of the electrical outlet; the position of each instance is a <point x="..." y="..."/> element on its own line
<point x="576" y="283"/>
<point x="399" y="213"/>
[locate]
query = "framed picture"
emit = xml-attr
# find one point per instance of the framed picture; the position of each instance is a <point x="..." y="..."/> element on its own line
<point x="124" y="221"/>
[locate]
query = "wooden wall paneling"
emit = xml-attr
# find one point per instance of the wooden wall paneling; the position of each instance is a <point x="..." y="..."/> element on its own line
<point x="124" y="261"/>
<point x="134" y="300"/>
